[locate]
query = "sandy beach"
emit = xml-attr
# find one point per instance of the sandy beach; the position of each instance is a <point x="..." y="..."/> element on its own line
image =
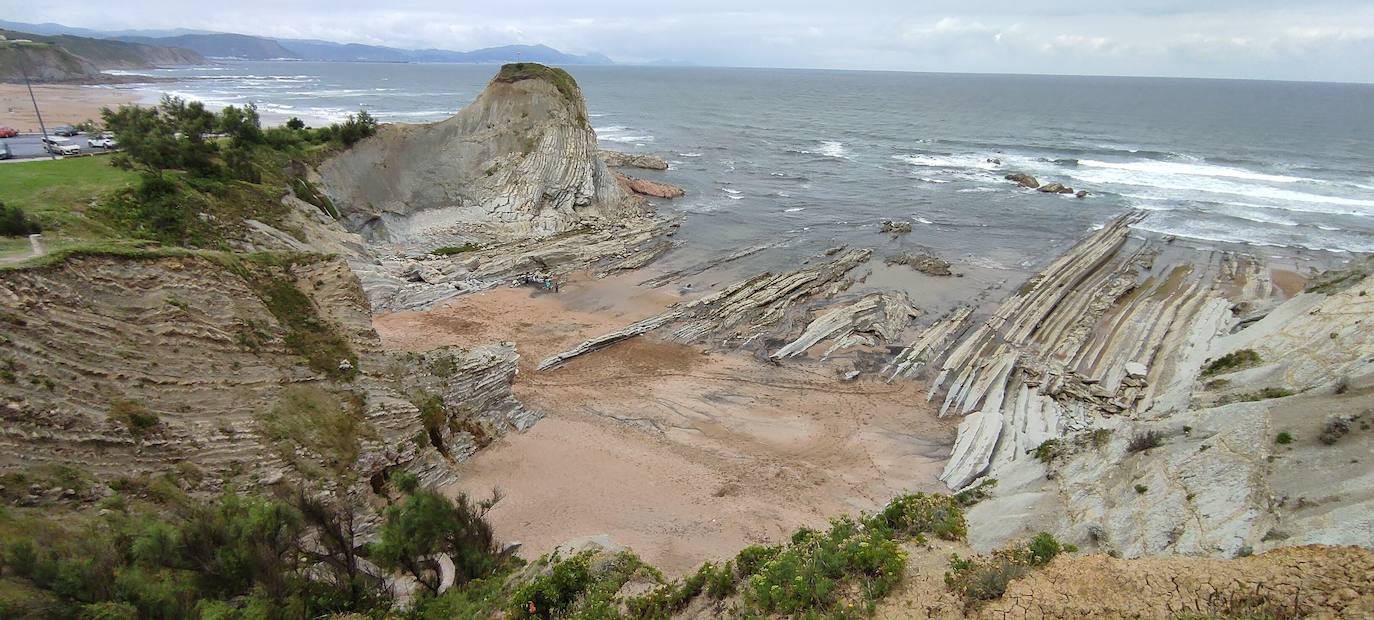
<point x="61" y="104"/>
<point x="683" y="455"/>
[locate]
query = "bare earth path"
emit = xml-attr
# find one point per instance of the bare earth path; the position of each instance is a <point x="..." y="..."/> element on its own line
<point x="681" y="455"/>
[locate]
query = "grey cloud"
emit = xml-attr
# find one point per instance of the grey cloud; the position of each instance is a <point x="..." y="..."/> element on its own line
<point x="1322" y="39"/>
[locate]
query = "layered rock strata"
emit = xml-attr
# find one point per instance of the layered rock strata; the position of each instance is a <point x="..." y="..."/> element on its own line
<point x="131" y="367"/>
<point x="520" y="160"/>
<point x="739" y="314"/>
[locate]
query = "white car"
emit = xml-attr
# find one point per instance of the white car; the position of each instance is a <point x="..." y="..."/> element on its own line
<point x="102" y="141"/>
<point x="60" y="146"/>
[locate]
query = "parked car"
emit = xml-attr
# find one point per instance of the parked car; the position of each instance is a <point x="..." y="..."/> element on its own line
<point x="65" y="130"/>
<point x="5" y="152"/>
<point x="60" y="146"/>
<point x="8" y="132"/>
<point x="104" y="140"/>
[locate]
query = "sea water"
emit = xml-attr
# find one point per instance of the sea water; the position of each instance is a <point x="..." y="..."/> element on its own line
<point x="815" y="159"/>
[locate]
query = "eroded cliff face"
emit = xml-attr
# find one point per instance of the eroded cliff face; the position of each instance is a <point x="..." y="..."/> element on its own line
<point x="246" y="369"/>
<point x="520" y="160"/>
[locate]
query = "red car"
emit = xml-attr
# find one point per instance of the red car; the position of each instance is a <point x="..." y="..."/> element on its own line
<point x="6" y="132"/>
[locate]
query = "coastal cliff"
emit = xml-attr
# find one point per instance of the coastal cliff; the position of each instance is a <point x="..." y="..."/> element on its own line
<point x="247" y="370"/>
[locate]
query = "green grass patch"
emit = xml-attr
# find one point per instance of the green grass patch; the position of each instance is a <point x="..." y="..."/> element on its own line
<point x="59" y="194"/>
<point x="312" y="417"/>
<point x="135" y="416"/>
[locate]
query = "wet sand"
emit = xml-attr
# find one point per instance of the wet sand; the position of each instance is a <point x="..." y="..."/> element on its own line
<point x="60" y="104"/>
<point x="682" y="455"/>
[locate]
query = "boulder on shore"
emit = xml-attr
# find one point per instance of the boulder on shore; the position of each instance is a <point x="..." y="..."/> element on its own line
<point x="1082" y="193"/>
<point x="922" y="262"/>
<point x="1055" y="188"/>
<point x="1023" y="179"/>
<point x="893" y="226"/>
<point x="617" y="159"/>
<point x="645" y="187"/>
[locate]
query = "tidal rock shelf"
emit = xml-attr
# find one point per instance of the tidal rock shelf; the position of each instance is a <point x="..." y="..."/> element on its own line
<point x="1090" y="399"/>
<point x="739" y="314"/>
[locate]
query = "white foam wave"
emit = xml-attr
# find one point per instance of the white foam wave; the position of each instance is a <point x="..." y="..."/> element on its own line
<point x="689" y="154"/>
<point x="832" y="148"/>
<point x="733" y="192"/>
<point x="794" y="209"/>
<point x="1191" y="169"/>
<point x="948" y="161"/>
<point x="1218" y="234"/>
<point x="924" y="220"/>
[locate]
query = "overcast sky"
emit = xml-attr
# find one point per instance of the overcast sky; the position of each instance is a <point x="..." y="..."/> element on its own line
<point x="1308" y="40"/>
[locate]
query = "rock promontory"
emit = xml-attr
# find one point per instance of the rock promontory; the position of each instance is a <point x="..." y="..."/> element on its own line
<point x="520" y="160"/>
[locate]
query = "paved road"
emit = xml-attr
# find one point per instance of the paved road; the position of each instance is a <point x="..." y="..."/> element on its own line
<point x="28" y="145"/>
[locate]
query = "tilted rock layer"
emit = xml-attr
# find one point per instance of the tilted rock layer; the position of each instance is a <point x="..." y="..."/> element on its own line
<point x="127" y="367"/>
<point x="520" y="160"/>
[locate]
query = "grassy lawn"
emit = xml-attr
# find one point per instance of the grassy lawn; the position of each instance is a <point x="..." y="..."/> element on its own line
<point x="57" y="193"/>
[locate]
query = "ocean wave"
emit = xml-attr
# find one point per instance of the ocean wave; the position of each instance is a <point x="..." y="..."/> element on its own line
<point x="732" y="192"/>
<point x="1216" y="189"/>
<point x="924" y="220"/>
<point x="627" y="139"/>
<point x="948" y="161"/>
<point x="975" y="190"/>
<point x="1191" y="169"/>
<point x="1219" y="232"/>
<point x="689" y="154"/>
<point x="794" y="209"/>
<point x="832" y="148"/>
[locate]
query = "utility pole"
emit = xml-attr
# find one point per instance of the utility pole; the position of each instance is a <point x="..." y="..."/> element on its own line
<point x="41" y="127"/>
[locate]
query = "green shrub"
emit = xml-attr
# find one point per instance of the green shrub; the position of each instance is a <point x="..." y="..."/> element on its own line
<point x="426" y="523"/>
<point x="1283" y="438"/>
<point x="15" y="223"/>
<point x="984" y="578"/>
<point x="135" y="416"/>
<point x="1145" y="441"/>
<point x="450" y="250"/>
<point x="1230" y="362"/>
<point x="1048" y="451"/>
<point x="1140" y="489"/>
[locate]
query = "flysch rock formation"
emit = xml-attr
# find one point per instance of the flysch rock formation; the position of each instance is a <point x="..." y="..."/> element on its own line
<point x="510" y="188"/>
<point x="742" y="313"/>
<point x="520" y="160"/>
<point x="873" y="319"/>
<point x="125" y="367"/>
<point x="1102" y="353"/>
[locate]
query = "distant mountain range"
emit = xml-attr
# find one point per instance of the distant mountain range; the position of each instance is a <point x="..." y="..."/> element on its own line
<point x="248" y="47"/>
<point x="69" y="58"/>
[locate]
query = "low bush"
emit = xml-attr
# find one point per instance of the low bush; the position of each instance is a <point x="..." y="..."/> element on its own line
<point x="1230" y="362"/>
<point x="1334" y="428"/>
<point x="450" y="250"/>
<point x="1048" y="451"/>
<point x="15" y="223"/>
<point x="1145" y="441"/>
<point x="984" y="578"/>
<point x="135" y="416"/>
<point x="1283" y="438"/>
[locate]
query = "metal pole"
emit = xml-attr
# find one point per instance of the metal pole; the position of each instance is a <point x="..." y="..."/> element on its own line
<point x="41" y="127"/>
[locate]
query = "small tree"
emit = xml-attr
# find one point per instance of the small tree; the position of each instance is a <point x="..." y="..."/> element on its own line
<point x="426" y="523"/>
<point x="242" y="125"/>
<point x="145" y="140"/>
<point x="295" y="124"/>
